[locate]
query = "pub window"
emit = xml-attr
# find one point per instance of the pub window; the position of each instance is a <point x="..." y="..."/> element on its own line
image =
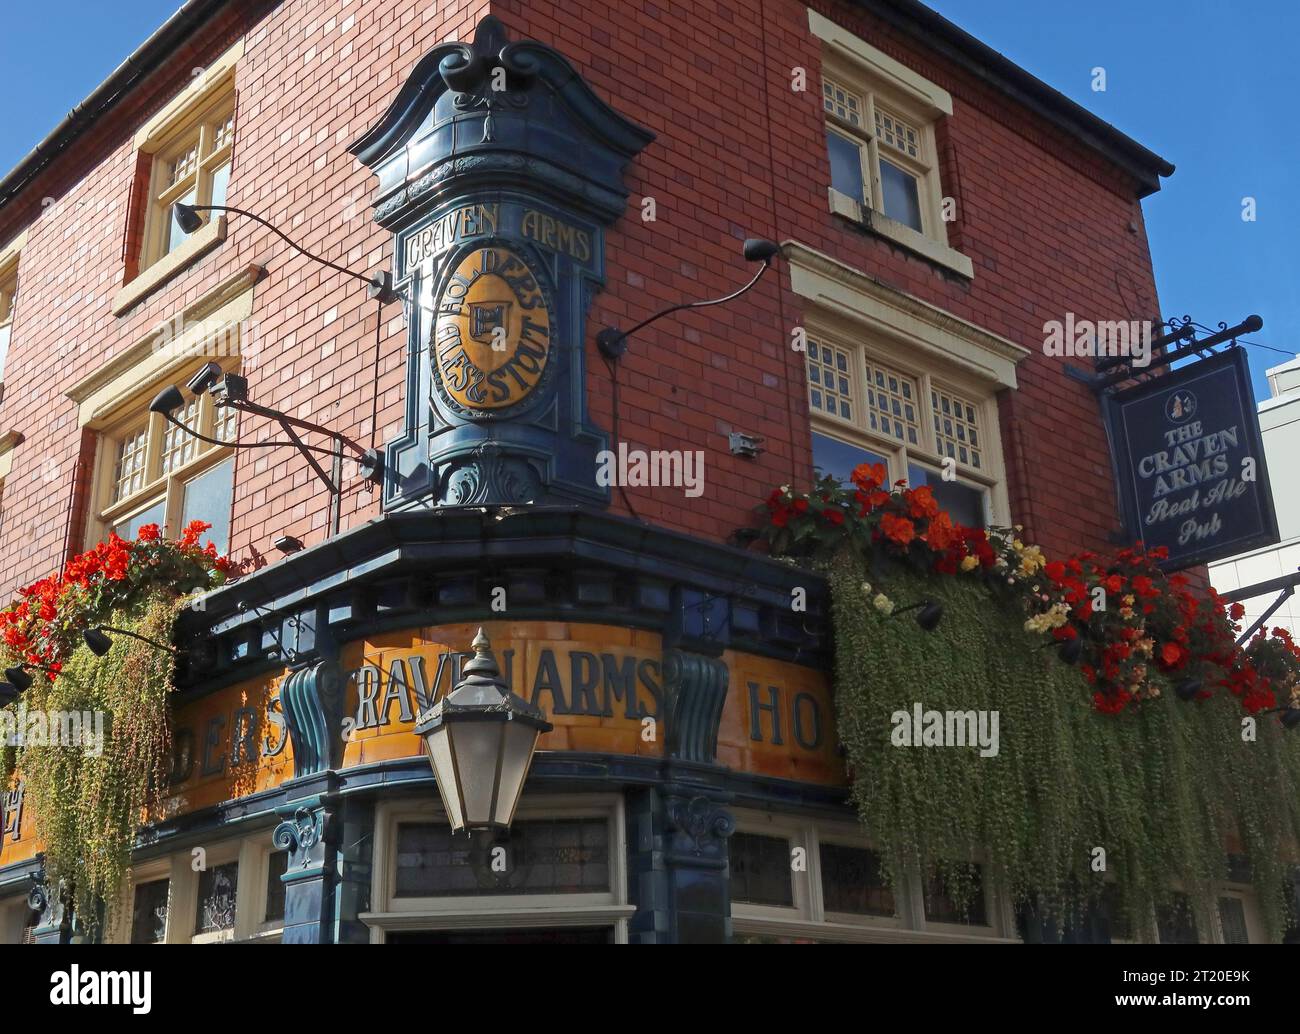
<point x="191" y="165"/>
<point x="215" y="914"/>
<point x="1232" y="920"/>
<point x="760" y="870"/>
<point x="800" y="882"/>
<point x="882" y="154"/>
<point x="151" y="472"/>
<point x="853" y="881"/>
<point x="558" y="876"/>
<point x="277" y="866"/>
<point x="236" y="896"/>
<point x="8" y="303"/>
<point x="541" y="856"/>
<point x="905" y="419"/>
<point x="149" y="912"/>
<point x="957" y="896"/>
<point x="1176" y="922"/>
<point x="18" y="922"/>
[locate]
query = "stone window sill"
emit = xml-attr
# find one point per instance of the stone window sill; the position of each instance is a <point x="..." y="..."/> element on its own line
<point x="918" y="243"/>
<point x="199" y="243"/>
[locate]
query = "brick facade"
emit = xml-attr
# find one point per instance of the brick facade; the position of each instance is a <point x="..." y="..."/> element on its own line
<point x="1050" y="225"/>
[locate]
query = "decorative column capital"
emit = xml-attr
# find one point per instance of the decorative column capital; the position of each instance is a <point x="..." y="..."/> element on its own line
<point x="699" y="828"/>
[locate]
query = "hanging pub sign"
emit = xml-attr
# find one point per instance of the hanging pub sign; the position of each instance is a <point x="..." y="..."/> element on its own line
<point x="1190" y="462"/>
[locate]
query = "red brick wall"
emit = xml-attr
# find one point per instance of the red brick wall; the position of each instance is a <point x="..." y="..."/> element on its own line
<point x="738" y="154"/>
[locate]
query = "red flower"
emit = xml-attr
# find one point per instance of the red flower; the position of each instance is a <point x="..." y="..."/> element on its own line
<point x="1237" y="611"/>
<point x="148" y="533"/>
<point x="1172" y="655"/>
<point x="833" y="516"/>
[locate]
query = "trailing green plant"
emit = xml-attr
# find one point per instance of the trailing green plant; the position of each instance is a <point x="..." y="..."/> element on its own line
<point x="1162" y="789"/>
<point x="89" y="797"/>
<point x="1166" y="785"/>
<point x="92" y="734"/>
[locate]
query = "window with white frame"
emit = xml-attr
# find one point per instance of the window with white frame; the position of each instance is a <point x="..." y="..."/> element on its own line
<point x="867" y="407"/>
<point x="191" y="166"/>
<point x="806" y="881"/>
<point x="558" y="876"/>
<point x="8" y="303"/>
<point x="152" y="472"/>
<point x="231" y="891"/>
<point x="882" y="153"/>
<point x="880" y="118"/>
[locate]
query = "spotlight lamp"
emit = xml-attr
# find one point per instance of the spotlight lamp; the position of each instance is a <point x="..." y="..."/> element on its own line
<point x="1290" y="715"/>
<point x="209" y="373"/>
<point x="99" y="643"/>
<point x="230" y="389"/>
<point x="1187" y="689"/>
<point x="612" y="342"/>
<point x="929" y="616"/>
<point x="378" y="287"/>
<point x="8" y="693"/>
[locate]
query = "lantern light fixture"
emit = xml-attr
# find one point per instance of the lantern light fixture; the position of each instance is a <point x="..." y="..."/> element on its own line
<point x="481" y="739"/>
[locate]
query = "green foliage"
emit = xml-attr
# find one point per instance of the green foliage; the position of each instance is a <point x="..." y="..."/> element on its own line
<point x="1164" y="789"/>
<point x="88" y="806"/>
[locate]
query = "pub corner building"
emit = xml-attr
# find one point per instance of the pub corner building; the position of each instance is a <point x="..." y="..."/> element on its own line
<point x="368" y="287"/>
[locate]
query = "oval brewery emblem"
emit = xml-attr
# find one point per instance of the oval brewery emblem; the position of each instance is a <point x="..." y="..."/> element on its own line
<point x="493" y="334"/>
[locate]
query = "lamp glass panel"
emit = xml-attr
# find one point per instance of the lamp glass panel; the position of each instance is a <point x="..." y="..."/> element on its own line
<point x="476" y="746"/>
<point x="518" y="745"/>
<point x="444" y="771"/>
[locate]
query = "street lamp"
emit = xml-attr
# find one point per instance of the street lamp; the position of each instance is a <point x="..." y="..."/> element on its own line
<point x="481" y="738"/>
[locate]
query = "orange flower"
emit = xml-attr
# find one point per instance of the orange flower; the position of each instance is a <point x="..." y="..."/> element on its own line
<point x="897" y="529"/>
<point x="921" y="502"/>
<point x="942" y="534"/>
<point x="869" y="476"/>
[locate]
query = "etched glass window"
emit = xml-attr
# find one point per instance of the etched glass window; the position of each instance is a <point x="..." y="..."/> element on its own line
<point x="149" y="912"/>
<point x="760" y="869"/>
<point x="550" y="856"/>
<point x="853" y="881"/>
<point x="216" y="909"/>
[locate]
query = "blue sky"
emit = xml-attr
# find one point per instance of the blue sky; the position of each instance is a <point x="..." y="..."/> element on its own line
<point x="1207" y="85"/>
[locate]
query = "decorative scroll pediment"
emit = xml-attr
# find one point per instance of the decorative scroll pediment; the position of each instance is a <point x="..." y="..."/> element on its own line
<point x="492" y="111"/>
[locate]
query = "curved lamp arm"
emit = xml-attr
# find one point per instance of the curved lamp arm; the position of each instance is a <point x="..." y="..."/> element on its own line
<point x="380" y="285"/>
<point x="612" y="342"/>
